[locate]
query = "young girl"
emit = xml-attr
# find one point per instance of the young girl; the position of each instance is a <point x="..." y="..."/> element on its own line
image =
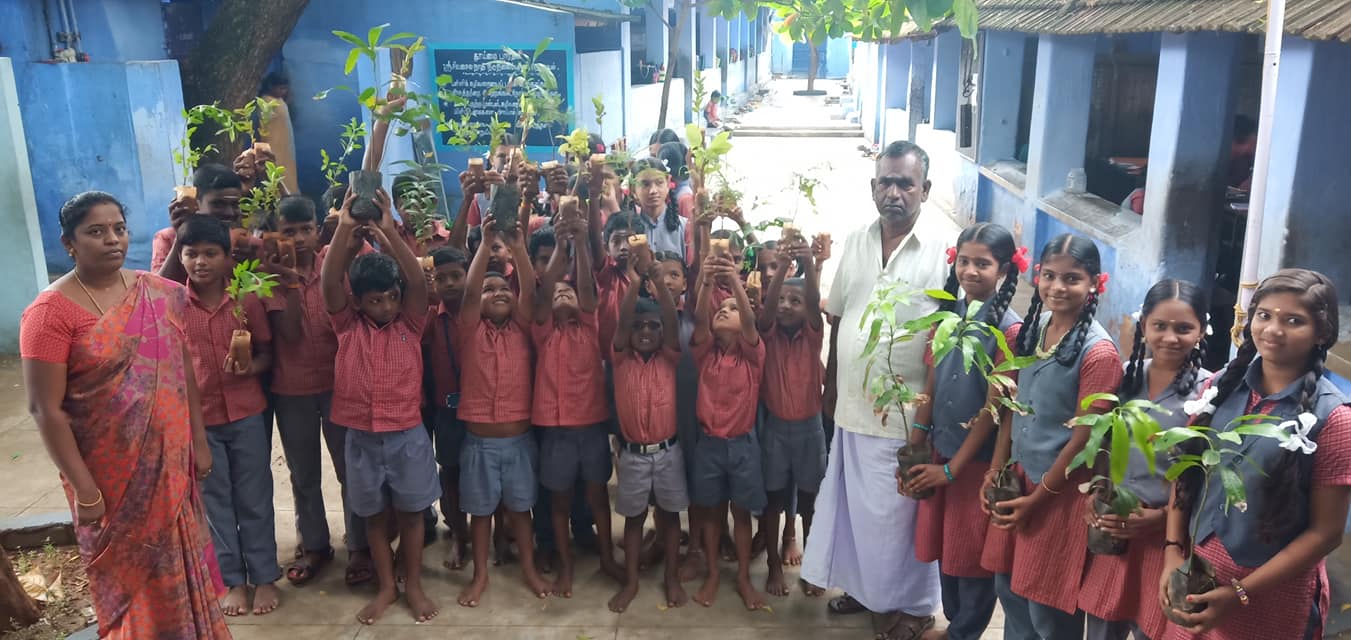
<point x="1118" y="592"/>
<point x="659" y="214"/>
<point x="1268" y="558"/>
<point x="1078" y="359"/>
<point x="950" y="526"/>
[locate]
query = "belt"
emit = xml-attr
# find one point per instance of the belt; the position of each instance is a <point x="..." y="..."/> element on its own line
<point x="649" y="449"/>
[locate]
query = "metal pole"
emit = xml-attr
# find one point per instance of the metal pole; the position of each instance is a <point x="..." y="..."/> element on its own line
<point x="1252" y="232"/>
<point x="74" y="25"/>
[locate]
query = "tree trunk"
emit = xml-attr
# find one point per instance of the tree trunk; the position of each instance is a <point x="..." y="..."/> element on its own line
<point x="673" y="57"/>
<point x="17" y="610"/>
<point x="228" y="65"/>
<point x="811" y="69"/>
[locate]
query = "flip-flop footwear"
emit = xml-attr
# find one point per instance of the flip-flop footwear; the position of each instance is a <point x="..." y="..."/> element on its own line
<point x="845" y="605"/>
<point x="302" y="570"/>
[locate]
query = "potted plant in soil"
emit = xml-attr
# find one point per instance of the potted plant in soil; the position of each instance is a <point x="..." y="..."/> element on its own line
<point x="1004" y="488"/>
<point x="247" y="280"/>
<point x="418" y="199"/>
<point x="954" y="334"/>
<point x="1127" y="426"/>
<point x="259" y="209"/>
<point x="1196" y="575"/>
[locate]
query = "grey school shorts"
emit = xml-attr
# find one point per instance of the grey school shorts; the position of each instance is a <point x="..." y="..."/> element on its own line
<point x="448" y="432"/>
<point x="391" y="468"/>
<point x="794" y="452"/>
<point x="566" y="453"/>
<point x="728" y="469"/>
<point x="497" y="471"/>
<point x="648" y="477"/>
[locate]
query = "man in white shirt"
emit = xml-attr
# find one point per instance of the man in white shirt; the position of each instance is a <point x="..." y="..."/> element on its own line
<point x="863" y="538"/>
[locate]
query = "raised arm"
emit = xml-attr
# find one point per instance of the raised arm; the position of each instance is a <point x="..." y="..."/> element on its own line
<point x="375" y="151"/>
<point x="670" y="318"/>
<point x="340" y="254"/>
<point x="749" y="334"/>
<point x="172" y="269"/>
<point x="784" y="259"/>
<point x="392" y="243"/>
<point x="595" y="229"/>
<point x="586" y="277"/>
<point x="703" y="306"/>
<point x="525" y="273"/>
<point x="812" y="288"/>
<point x="624" y="330"/>
<point x="553" y="272"/>
<point x="472" y="301"/>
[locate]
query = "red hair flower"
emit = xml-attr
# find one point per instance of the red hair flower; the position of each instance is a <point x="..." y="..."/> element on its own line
<point x="952" y="255"/>
<point x="1020" y="260"/>
<point x="1036" y="274"/>
<point x="1102" y="283"/>
<point x="600" y="147"/>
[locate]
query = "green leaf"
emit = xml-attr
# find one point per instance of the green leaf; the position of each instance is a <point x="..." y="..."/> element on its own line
<point x="874" y="335"/>
<point x="1210" y="457"/>
<point x="373" y="36"/>
<point x="547" y="75"/>
<point x="1121" y="449"/>
<point x="721" y="143"/>
<point x="940" y="294"/>
<point x="1178" y="469"/>
<point x="1094" y="398"/>
<point x="943" y="341"/>
<point x="919" y="13"/>
<point x="1233" y="488"/>
<point x="542" y="46"/>
<point x="351" y="38"/>
<point x="352" y="57"/>
<point x="1230" y="436"/>
<point x="443" y="79"/>
<point x="964" y="14"/>
<point x="1262" y="431"/>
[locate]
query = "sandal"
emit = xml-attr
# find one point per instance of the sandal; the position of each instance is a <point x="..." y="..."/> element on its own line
<point x="360" y="572"/>
<point x="845" y="605"/>
<point x="302" y="570"/>
<point x="907" y="627"/>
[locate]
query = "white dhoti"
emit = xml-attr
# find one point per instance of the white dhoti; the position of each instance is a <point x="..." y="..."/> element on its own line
<point x="863" y="535"/>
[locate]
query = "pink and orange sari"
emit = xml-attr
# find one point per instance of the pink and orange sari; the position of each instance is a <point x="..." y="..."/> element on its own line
<point x="149" y="564"/>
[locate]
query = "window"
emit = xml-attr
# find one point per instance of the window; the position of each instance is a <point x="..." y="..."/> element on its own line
<point x="1121" y="114"/>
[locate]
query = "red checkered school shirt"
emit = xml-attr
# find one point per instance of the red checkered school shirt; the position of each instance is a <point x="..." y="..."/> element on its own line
<point x="645" y="395"/>
<point x="793" y="372"/>
<point x="495" y="373"/>
<point x="226" y="397"/>
<point x="377" y="385"/>
<point x="440" y="340"/>
<point x="304" y="367"/>
<point x="611" y="285"/>
<point x="569" y="377"/>
<point x="729" y="386"/>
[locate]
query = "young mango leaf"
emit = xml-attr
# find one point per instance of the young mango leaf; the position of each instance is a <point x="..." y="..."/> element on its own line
<point x="1092" y="399"/>
<point x="1120" y="453"/>
<point x="350" y="38"/>
<point x="1169" y="438"/>
<point x="940" y="294"/>
<point x="1233" y="488"/>
<point x="1210" y="457"/>
<point x="1230" y="436"/>
<point x="1124" y="501"/>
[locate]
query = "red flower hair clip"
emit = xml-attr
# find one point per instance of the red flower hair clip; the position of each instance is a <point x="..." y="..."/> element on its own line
<point x="1102" y="283"/>
<point x="1020" y="260"/>
<point x="600" y="147"/>
<point x="1036" y="274"/>
<point x="952" y="255"/>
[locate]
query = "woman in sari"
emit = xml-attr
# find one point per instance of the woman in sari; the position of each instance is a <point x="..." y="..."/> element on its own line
<point x="104" y="361"/>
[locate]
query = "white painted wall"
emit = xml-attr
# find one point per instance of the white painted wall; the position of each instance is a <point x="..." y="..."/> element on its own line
<point x="601" y="73"/>
<point x="644" y="106"/>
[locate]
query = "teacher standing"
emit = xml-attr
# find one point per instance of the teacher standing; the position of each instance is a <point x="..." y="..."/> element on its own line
<point x="863" y="541"/>
<point x="104" y="361"/>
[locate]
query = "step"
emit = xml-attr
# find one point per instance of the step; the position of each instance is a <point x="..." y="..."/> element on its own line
<point x="804" y="132"/>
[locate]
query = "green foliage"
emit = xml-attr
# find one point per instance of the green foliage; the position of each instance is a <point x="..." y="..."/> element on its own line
<point x="576" y="144"/>
<point x="186" y="156"/>
<point x="418" y="200"/>
<point x="335" y="171"/>
<point x="260" y="205"/>
<point x="814" y="21"/>
<point x="706" y="159"/>
<point x="598" y="104"/>
<point x="700" y="94"/>
<point x="534" y="85"/>
<point x="248" y="279"/>
<point x="889" y="390"/>
<point x="497" y="132"/>
<point x="964" y="335"/>
<point x="1127" y="426"/>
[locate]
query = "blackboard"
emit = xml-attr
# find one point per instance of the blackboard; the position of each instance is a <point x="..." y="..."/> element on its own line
<point x="472" y="78"/>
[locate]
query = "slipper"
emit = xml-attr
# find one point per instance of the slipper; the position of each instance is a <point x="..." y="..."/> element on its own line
<point x="908" y="627"/>
<point x="302" y="571"/>
<point x="845" y="605"/>
<point x="358" y="574"/>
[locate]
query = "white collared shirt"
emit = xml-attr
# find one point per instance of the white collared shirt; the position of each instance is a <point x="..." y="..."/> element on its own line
<point x="920" y="262"/>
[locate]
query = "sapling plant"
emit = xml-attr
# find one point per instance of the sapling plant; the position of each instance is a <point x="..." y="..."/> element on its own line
<point x="535" y="87"/>
<point x="259" y="206"/>
<point x="335" y="170"/>
<point x="246" y="280"/>
<point x="598" y="105"/>
<point x="417" y="199"/>
<point x="1003" y="488"/>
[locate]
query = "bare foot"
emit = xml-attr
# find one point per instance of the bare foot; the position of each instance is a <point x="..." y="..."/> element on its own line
<point x="609" y="567"/>
<point x="236" y="602"/>
<point x="693" y="566"/>
<point x="651" y="551"/>
<point x="544" y="560"/>
<point x="708" y="592"/>
<point x="675" y="593"/>
<point x="727" y="548"/>
<point x="376" y="608"/>
<point x="749" y="596"/>
<point x="266" y="599"/>
<point x="456" y="554"/>
<point x="563" y="585"/>
<point x="757" y="544"/>
<point x="810" y="590"/>
<point x="470" y="595"/>
<point x="620" y="602"/>
<point x="774" y="584"/>
<point x="423" y="607"/>
<point x="791" y="552"/>
<point x="502" y="551"/>
<point x="935" y="634"/>
<point x="537" y="585"/>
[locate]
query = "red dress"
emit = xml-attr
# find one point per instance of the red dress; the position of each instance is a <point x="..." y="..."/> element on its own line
<point x="951" y="528"/>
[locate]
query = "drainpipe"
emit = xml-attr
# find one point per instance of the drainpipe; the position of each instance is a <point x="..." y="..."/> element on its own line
<point x="1252" y="233"/>
<point x="63" y="37"/>
<point x="74" y="26"/>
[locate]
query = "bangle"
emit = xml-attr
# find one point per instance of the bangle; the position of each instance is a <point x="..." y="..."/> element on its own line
<point x="95" y="503"/>
<point x="1238" y="588"/>
<point x="1172" y="543"/>
<point x="922" y="427"/>
<point x="947" y="472"/>
<point x="1048" y="488"/>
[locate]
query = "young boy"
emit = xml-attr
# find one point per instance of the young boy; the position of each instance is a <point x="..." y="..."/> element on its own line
<point x="543" y="243"/>
<point x="218" y="195"/>
<point x="730" y="357"/>
<point x="390" y="467"/>
<point x="569" y="400"/>
<point x="302" y="388"/>
<point x="442" y="357"/>
<point x="238" y="491"/>
<point x="793" y="442"/>
<point x="646" y="351"/>
<point x="499" y="459"/>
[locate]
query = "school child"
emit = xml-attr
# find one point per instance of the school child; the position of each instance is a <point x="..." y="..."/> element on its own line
<point x="543" y="243"/>
<point x="391" y="471"/>
<point x="1078" y="359"/>
<point x="611" y="278"/>
<point x="950" y="526"/>
<point x="238" y="491"/>
<point x="731" y="358"/>
<point x="499" y="461"/>
<point x="218" y="195"/>
<point x="1119" y="594"/>
<point x="569" y="408"/>
<point x="1268" y="558"/>
<point x="792" y="443"/>
<point x="651" y="462"/>
<point x="450" y="267"/>
<point x="302" y="391"/>
<point x="658" y="211"/>
<point x="499" y="163"/>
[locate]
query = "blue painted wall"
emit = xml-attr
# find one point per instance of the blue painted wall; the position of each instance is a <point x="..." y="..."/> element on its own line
<point x="996" y="204"/>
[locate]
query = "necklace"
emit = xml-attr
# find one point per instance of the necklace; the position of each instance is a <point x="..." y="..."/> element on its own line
<point x="121" y="275"/>
<point x="1043" y="351"/>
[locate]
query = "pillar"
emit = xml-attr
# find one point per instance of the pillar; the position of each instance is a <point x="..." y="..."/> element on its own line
<point x="893" y="87"/>
<point x="921" y="76"/>
<point x="721" y="29"/>
<point x="21" y="254"/>
<point x="1001" y="84"/>
<point x="1188" y="150"/>
<point x="947" y="53"/>
<point x="1060" y="107"/>
<point x="655" y="30"/>
<point x="684" y="67"/>
<point x="707" y="40"/>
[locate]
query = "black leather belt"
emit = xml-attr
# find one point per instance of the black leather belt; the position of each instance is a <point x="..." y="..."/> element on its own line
<point x="649" y="449"/>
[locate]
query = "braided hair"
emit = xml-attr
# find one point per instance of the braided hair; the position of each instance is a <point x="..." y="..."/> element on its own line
<point x="1283" y="489"/>
<point x="1085" y="256"/>
<point x="1002" y="247"/>
<point x="671" y="217"/>
<point x="1162" y="291"/>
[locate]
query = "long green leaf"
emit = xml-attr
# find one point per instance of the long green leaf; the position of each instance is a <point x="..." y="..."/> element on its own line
<point x="1210" y="457"/>
<point x="964" y="14"/>
<point x="1178" y="469"/>
<point x="1093" y="398"/>
<point x="940" y="294"/>
<point x="1120" y="454"/>
<point x="352" y="57"/>
<point x="874" y="335"/>
<point x="542" y="46"/>
<point x="1233" y="488"/>
<point x="351" y="38"/>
